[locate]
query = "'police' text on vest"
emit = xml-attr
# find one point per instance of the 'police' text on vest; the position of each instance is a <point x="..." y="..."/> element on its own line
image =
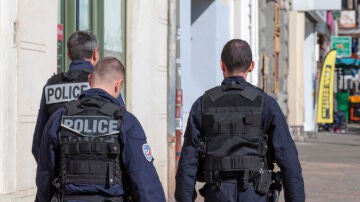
<point x="64" y="92"/>
<point x="90" y="125"/>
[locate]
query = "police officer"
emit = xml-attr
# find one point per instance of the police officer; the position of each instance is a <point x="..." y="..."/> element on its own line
<point x="235" y="132"/>
<point x="63" y="87"/>
<point x="94" y="150"/>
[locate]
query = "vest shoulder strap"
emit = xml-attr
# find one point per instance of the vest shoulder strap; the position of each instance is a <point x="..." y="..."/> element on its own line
<point x="54" y="79"/>
<point x="249" y="92"/>
<point x="214" y="93"/>
<point x="73" y="75"/>
<point x="72" y="107"/>
<point x="111" y="109"/>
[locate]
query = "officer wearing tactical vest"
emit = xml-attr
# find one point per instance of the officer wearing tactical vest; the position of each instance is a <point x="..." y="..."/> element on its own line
<point x="63" y="87"/>
<point x="94" y="150"/>
<point x="235" y="132"/>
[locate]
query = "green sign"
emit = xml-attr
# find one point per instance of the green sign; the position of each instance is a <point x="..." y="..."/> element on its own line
<point x="342" y="44"/>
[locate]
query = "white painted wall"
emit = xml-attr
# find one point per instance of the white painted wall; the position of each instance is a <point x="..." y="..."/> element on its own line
<point x="296" y="70"/>
<point x="146" y="85"/>
<point x="208" y="34"/>
<point x="185" y="56"/>
<point x="26" y="64"/>
<point x="309" y="75"/>
<point x="8" y="87"/>
<point x="202" y="42"/>
<point x="246" y="27"/>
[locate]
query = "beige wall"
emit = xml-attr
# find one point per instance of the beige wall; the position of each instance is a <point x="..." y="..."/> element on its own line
<point x="28" y="60"/>
<point x="296" y="68"/>
<point x="146" y="80"/>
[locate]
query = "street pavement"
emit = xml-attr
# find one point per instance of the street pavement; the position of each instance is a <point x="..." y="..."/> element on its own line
<point x="331" y="166"/>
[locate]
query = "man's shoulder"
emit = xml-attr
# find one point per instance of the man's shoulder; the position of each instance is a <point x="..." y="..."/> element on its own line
<point x="54" y="78"/>
<point x="132" y="126"/>
<point x="256" y="88"/>
<point x="130" y="119"/>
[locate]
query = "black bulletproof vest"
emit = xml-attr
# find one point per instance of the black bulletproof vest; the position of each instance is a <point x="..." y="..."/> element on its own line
<point x="90" y="151"/>
<point x="231" y="119"/>
<point x="64" y="87"/>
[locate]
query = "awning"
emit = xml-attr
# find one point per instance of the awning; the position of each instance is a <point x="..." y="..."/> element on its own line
<point x="354" y="33"/>
<point x="347" y="63"/>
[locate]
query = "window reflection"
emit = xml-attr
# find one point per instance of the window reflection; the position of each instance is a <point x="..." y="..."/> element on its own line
<point x="83" y="15"/>
<point x="114" y="29"/>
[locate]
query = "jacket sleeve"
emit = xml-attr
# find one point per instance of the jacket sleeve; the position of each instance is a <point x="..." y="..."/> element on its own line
<point x="47" y="158"/>
<point x="188" y="164"/>
<point x="284" y="150"/>
<point x="40" y="124"/>
<point x="138" y="162"/>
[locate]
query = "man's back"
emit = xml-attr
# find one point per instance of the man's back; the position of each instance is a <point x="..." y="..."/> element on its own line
<point x="64" y="87"/>
<point x="97" y="153"/>
<point x="246" y="137"/>
<point x="59" y="89"/>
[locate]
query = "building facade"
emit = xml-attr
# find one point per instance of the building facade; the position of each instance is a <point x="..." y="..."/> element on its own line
<point x="33" y="37"/>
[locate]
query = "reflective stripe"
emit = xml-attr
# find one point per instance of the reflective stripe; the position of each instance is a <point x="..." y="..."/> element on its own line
<point x="64" y="92"/>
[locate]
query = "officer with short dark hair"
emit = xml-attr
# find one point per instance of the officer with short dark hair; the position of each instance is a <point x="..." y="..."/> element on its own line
<point x="93" y="150"/>
<point x="235" y="132"/>
<point x="63" y="87"/>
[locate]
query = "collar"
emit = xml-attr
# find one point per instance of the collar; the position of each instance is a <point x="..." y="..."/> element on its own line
<point x="97" y="92"/>
<point x="232" y="79"/>
<point x="80" y="64"/>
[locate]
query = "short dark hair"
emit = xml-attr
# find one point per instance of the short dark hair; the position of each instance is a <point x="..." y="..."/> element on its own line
<point x="81" y="45"/>
<point x="108" y="69"/>
<point x="236" y="55"/>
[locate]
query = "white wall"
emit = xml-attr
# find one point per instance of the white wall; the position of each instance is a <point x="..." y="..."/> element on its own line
<point x="146" y="85"/>
<point x="309" y="75"/>
<point x="8" y="87"/>
<point x="246" y="14"/>
<point x="305" y="5"/>
<point x="208" y="34"/>
<point x="26" y="63"/>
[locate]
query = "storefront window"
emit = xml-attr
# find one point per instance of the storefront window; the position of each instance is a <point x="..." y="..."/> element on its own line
<point x="104" y="18"/>
<point x="114" y="29"/>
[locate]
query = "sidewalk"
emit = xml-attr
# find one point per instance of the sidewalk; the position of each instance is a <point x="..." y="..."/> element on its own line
<point x="330" y="164"/>
<point x="353" y="128"/>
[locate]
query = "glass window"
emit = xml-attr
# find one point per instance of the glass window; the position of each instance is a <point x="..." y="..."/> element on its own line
<point x="83" y="15"/>
<point x="60" y="38"/>
<point x="104" y="18"/>
<point x="114" y="29"/>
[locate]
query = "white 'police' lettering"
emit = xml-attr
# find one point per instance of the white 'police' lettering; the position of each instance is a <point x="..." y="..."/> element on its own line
<point x="90" y="125"/>
<point x="64" y="92"/>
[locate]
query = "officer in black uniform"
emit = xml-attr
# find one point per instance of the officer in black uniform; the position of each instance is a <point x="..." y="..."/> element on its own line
<point x="93" y="150"/>
<point x="235" y="132"/>
<point x="63" y="87"/>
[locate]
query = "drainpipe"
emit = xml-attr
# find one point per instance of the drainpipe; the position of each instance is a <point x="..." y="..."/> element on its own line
<point x="179" y="93"/>
<point x="171" y="63"/>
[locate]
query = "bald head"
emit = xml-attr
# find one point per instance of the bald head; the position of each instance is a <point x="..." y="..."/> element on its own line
<point x="108" y="75"/>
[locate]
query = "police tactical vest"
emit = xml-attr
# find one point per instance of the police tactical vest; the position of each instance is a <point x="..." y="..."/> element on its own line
<point x="231" y="132"/>
<point x="64" y="87"/>
<point x="90" y="151"/>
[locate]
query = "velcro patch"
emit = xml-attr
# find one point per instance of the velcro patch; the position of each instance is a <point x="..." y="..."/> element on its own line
<point x="90" y="125"/>
<point x="64" y="92"/>
<point x="147" y="152"/>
